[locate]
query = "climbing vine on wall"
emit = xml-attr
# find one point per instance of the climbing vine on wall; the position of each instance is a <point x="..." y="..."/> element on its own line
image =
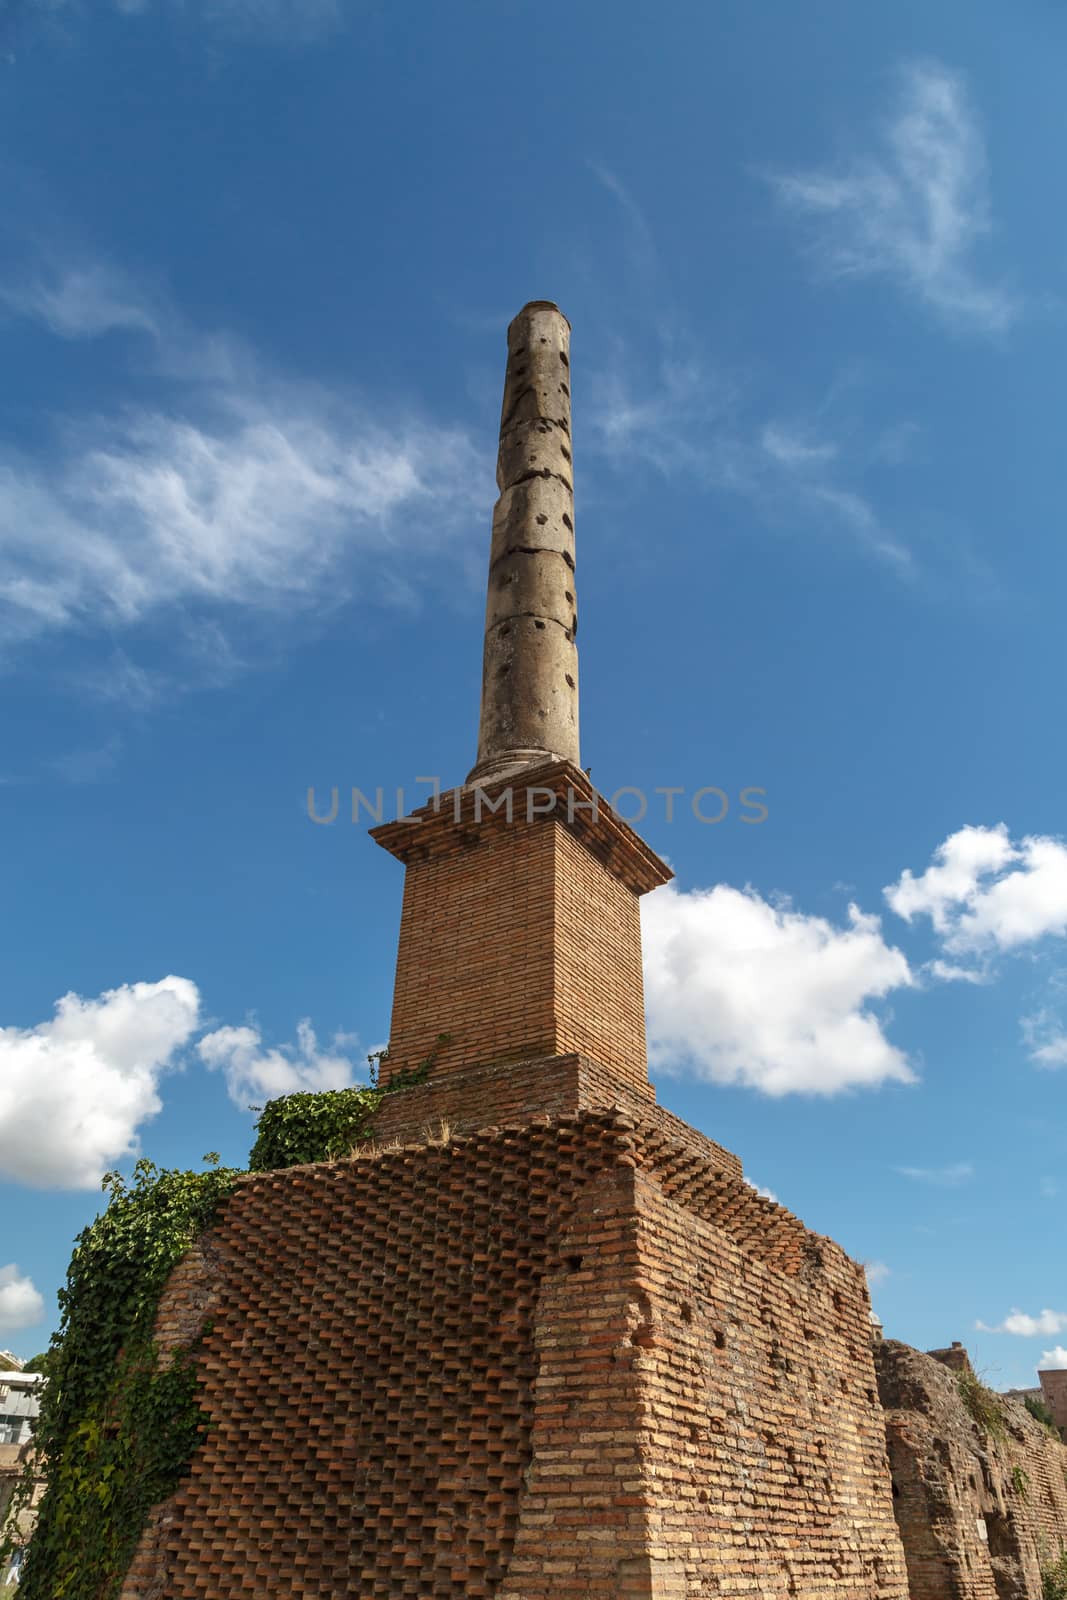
<point x="116" y="1428"/>
<point x="322" y="1127"/>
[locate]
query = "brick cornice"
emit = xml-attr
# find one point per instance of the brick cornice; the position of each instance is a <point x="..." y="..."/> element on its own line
<point x="461" y="818"/>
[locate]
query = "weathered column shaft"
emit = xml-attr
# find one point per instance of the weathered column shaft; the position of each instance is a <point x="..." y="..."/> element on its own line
<point x="530" y="668"/>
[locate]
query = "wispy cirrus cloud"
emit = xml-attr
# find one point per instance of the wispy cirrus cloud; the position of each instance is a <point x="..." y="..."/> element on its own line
<point x="917" y="209"/>
<point x="282" y="21"/>
<point x="683" y="420"/>
<point x="1045" y="1037"/>
<point x="677" y="414"/>
<point x="81" y="302"/>
<point x="947" y="1177"/>
<point x="237" y="492"/>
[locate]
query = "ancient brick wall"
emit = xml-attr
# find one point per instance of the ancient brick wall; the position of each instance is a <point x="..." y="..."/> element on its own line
<point x="572" y="1359"/>
<point x="475" y="958"/>
<point x="1054" y="1394"/>
<point x="520" y="933"/>
<point x="486" y="1097"/>
<point x="978" y="1516"/>
<point x="517" y="942"/>
<point x="768" y="1451"/>
<point x="599" y="979"/>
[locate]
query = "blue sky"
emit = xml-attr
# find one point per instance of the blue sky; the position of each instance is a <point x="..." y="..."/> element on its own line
<point x="256" y="264"/>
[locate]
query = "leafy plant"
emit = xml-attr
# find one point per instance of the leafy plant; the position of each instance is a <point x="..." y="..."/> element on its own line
<point x="299" y="1128"/>
<point x="38" y="1363"/>
<point x="983" y="1405"/>
<point x="1054" y="1580"/>
<point x="1020" y="1481"/>
<point x="1041" y="1413"/>
<point x="117" y="1427"/>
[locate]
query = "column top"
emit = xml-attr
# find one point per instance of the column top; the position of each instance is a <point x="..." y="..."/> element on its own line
<point x="539" y="305"/>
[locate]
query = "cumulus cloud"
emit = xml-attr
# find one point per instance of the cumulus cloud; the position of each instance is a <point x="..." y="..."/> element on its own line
<point x="984" y="893"/>
<point x="948" y="1177"/>
<point x="75" y="1090"/>
<point x="1055" y="1358"/>
<point x="1026" y="1327"/>
<point x="255" y="1073"/>
<point x="21" y="1305"/>
<point x="761" y="1189"/>
<point x="877" y="1273"/>
<point x="743" y="991"/>
<point x="917" y="210"/>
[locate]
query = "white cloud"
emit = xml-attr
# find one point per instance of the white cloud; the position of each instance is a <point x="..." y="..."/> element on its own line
<point x="984" y="893"/>
<point x="791" y="447"/>
<point x="1055" y="1358"/>
<point x="949" y="1177"/>
<point x="250" y="493"/>
<point x="746" y="992"/>
<point x="682" y="419"/>
<point x="1027" y="1327"/>
<point x="74" y="1091"/>
<point x="949" y="972"/>
<point x="877" y="1273"/>
<point x="761" y="1189"/>
<point x="917" y="211"/>
<point x="1046" y="1038"/>
<point x="21" y="1305"/>
<point x="82" y="302"/>
<point x="286" y="20"/>
<point x="266" y="508"/>
<point x="254" y="1073"/>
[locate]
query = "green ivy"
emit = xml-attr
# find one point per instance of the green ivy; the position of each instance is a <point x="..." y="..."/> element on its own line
<point x="1054" y="1580"/>
<point x="299" y="1128"/>
<point x="984" y="1406"/>
<point x="116" y="1428"/>
<point x="1041" y="1413"/>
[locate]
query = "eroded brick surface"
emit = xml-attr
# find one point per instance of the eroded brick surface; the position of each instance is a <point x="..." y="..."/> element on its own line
<point x="571" y="1359"/>
<point x="978" y="1517"/>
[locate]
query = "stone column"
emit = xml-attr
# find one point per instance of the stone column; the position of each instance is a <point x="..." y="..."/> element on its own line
<point x="530" y="669"/>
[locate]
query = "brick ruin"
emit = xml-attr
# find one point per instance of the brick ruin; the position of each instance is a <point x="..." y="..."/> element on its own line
<point x="541" y="1340"/>
<point x="980" y="1513"/>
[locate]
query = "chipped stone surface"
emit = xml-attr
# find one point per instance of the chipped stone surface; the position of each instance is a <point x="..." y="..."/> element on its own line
<point x="978" y="1517"/>
<point x="530" y="669"/>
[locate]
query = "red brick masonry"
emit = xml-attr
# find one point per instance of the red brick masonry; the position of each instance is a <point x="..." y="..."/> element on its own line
<point x="576" y="1358"/>
<point x="521" y="938"/>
